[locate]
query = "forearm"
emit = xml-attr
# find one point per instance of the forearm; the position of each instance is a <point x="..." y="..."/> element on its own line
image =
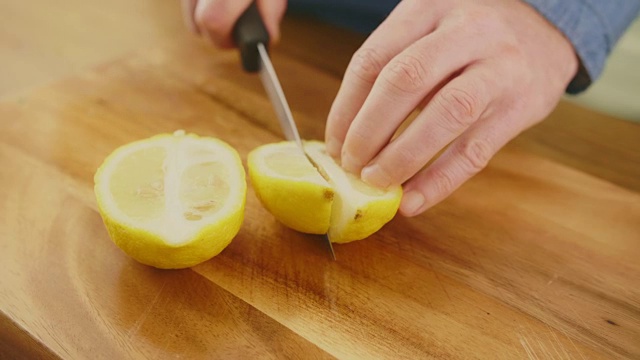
<point x="593" y="27"/>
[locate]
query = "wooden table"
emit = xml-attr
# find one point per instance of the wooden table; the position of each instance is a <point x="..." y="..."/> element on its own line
<point x="536" y="257"/>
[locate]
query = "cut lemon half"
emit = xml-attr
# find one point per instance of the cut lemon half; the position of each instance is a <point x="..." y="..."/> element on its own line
<point x="172" y="201"/>
<point x="311" y="193"/>
<point x="290" y="187"/>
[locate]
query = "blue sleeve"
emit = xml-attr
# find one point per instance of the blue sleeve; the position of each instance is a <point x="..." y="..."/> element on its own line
<point x="362" y="16"/>
<point x="593" y="27"/>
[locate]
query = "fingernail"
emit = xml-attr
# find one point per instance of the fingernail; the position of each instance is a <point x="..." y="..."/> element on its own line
<point x="376" y="176"/>
<point x="333" y="147"/>
<point x="411" y="203"/>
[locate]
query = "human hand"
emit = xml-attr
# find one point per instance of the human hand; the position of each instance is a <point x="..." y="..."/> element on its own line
<point x="485" y="70"/>
<point x="214" y="19"/>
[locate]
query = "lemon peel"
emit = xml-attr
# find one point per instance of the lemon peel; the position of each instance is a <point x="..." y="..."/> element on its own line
<point x="172" y="200"/>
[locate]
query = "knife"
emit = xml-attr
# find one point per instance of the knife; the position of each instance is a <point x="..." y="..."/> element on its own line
<point x="252" y="38"/>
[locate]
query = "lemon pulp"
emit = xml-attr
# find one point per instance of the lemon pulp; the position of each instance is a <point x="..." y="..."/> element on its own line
<point x="172" y="201"/>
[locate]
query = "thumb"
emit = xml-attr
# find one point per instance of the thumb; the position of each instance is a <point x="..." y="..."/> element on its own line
<point x="272" y="12"/>
<point x="215" y="19"/>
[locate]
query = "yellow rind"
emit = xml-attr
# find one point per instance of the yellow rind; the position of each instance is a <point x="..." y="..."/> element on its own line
<point x="149" y="248"/>
<point x="369" y="221"/>
<point x="365" y="219"/>
<point x="153" y="251"/>
<point x="313" y="208"/>
<point x="305" y="207"/>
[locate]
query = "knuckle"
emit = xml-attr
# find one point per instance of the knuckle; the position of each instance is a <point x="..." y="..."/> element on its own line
<point x="405" y="74"/>
<point x="475" y="155"/>
<point x="459" y="108"/>
<point x="366" y="64"/>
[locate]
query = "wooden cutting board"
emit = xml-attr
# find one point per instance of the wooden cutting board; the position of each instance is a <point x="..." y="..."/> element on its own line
<point x="530" y="259"/>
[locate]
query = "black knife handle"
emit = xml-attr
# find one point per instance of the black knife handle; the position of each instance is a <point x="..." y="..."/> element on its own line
<point x="248" y="32"/>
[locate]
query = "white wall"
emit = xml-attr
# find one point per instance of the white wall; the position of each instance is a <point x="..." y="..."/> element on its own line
<point x="617" y="92"/>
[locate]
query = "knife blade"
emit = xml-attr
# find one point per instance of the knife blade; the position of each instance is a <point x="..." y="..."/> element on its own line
<point x="252" y="39"/>
<point x="276" y="95"/>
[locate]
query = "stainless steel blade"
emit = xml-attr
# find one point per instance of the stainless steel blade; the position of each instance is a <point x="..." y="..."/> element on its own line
<point x="279" y="101"/>
<point x="333" y="254"/>
<point x="276" y="95"/>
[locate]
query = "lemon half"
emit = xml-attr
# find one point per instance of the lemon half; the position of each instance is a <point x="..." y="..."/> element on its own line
<point x="309" y="192"/>
<point x="290" y="187"/>
<point x="172" y="201"/>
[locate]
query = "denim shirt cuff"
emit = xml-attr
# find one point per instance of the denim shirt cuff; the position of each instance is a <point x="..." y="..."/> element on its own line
<point x="593" y="27"/>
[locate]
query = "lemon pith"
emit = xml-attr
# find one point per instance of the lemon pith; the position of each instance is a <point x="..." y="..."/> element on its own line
<point x="359" y="210"/>
<point x="172" y="201"/>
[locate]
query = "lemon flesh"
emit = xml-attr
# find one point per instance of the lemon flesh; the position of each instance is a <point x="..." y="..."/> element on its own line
<point x="290" y="187"/>
<point x="358" y="210"/>
<point x="172" y="201"/>
<point x="318" y="196"/>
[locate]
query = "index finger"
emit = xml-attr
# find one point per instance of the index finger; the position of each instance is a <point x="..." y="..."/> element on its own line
<point x="398" y="31"/>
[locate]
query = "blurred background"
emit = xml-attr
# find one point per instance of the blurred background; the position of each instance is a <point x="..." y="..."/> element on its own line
<point x="617" y="92"/>
<point x="43" y="40"/>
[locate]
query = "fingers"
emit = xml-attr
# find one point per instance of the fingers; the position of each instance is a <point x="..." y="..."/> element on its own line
<point x="272" y="12"/>
<point x="402" y="84"/>
<point x="463" y="159"/>
<point x="214" y="19"/>
<point x="397" y="32"/>
<point x="478" y="70"/>
<point x="453" y="109"/>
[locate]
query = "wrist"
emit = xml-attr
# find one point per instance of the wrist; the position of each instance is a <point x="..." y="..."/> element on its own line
<point x="563" y="62"/>
<point x="583" y="28"/>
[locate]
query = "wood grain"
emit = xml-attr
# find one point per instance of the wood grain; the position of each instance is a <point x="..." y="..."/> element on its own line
<point x="530" y="259"/>
<point x="42" y="41"/>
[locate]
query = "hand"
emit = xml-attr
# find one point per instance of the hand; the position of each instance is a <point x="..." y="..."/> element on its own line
<point x="485" y="70"/>
<point x="214" y="19"/>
